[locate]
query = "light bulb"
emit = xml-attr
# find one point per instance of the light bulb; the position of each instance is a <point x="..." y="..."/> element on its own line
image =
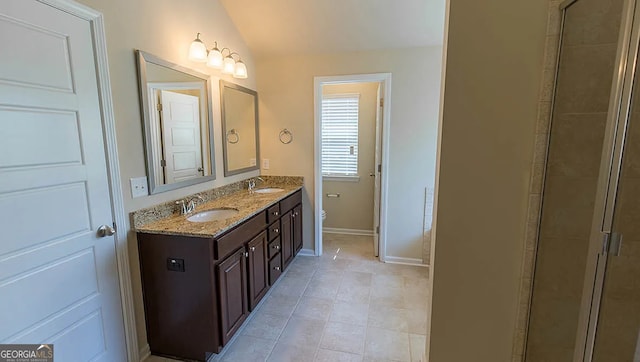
<point x="214" y="59"/>
<point x="197" y="50"/>
<point x="241" y="70"/>
<point x="229" y="65"/>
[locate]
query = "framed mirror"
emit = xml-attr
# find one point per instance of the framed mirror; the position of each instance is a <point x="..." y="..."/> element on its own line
<point x="178" y="123"/>
<point x="239" y="107"/>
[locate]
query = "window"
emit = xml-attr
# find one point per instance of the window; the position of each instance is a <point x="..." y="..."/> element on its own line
<point x="340" y="135"/>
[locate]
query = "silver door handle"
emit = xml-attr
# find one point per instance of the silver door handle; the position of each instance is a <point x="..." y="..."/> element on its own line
<point x="105" y="230"/>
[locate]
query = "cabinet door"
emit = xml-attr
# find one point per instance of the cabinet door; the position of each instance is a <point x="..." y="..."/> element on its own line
<point x="286" y="235"/>
<point x="258" y="274"/>
<point x="297" y="228"/>
<point x="232" y="281"/>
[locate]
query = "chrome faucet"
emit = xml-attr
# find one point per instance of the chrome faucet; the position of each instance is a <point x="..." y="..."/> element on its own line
<point x="189" y="204"/>
<point x="252" y="183"/>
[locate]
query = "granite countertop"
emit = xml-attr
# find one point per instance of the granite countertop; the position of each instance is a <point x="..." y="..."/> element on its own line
<point x="248" y="205"/>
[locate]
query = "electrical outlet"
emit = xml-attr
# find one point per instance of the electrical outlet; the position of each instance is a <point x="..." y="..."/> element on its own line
<point x="139" y="187"/>
<point x="176" y="265"/>
<point x="265" y="163"/>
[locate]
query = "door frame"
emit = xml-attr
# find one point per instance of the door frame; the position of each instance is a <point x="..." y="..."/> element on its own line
<point x="385" y="80"/>
<point x="98" y="35"/>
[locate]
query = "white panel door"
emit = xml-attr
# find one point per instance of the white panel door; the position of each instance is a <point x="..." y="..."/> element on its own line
<point x="58" y="278"/>
<point x="181" y="136"/>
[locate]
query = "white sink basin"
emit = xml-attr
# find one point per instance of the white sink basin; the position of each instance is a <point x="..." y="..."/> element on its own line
<point x="268" y="190"/>
<point x="212" y="215"/>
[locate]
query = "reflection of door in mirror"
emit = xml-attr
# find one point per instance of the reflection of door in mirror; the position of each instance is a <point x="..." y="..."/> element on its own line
<point x="179" y="146"/>
<point x="180" y="130"/>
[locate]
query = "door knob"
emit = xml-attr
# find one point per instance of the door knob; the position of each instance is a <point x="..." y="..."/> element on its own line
<point x="105" y="230"/>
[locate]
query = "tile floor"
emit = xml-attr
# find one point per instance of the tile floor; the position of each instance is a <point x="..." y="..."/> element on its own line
<point x="342" y="306"/>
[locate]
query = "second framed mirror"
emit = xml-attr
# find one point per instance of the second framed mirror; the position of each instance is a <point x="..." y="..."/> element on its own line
<point x="239" y="107"/>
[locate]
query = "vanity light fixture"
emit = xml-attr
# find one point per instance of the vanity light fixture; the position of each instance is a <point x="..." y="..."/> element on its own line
<point x="215" y="58"/>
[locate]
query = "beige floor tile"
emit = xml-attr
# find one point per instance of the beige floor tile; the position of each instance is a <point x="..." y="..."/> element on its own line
<point x="328" y="276"/>
<point x="334" y="264"/>
<point x="358" y="279"/>
<point x="417" y="344"/>
<point x="264" y="325"/>
<point x="302" y="332"/>
<point x="325" y="355"/>
<point x="415" y="299"/>
<point x="417" y="321"/>
<point x="323" y="288"/>
<point x="247" y="348"/>
<point x="348" y="293"/>
<point x="349" y="312"/>
<point x="290" y="286"/>
<point x="391" y="297"/>
<point x="314" y="308"/>
<point x="343" y="337"/>
<point x="387" y="281"/>
<point x="386" y="344"/>
<point x="279" y="305"/>
<point x="284" y="352"/>
<point x="300" y="271"/>
<point x="385" y="317"/>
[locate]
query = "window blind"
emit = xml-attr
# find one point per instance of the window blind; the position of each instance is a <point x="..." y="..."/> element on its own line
<point x="340" y="135"/>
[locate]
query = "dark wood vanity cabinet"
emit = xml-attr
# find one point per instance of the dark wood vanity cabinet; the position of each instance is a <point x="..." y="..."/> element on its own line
<point x="232" y="280"/>
<point x="257" y="268"/>
<point x="198" y="291"/>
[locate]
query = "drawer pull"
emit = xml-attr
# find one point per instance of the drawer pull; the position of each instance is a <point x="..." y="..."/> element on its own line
<point x="275" y="213"/>
<point x="276" y="230"/>
<point x="277" y="268"/>
<point x="277" y="247"/>
<point x="253" y="248"/>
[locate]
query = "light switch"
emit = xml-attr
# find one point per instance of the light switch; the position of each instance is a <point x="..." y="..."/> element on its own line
<point x="265" y="163"/>
<point x="139" y="187"/>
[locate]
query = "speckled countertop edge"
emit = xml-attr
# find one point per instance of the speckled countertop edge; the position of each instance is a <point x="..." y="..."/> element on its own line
<point x="163" y="219"/>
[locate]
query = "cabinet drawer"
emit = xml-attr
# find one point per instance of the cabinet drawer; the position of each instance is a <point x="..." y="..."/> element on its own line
<point x="274" y="247"/>
<point x="236" y="238"/>
<point x="290" y="202"/>
<point x="274" y="230"/>
<point x="273" y="213"/>
<point x="275" y="269"/>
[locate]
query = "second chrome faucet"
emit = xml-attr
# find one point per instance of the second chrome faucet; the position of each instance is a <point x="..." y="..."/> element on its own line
<point x="189" y="204"/>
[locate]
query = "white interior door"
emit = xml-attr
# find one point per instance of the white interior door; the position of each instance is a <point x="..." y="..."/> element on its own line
<point x="58" y="278"/>
<point x="181" y="136"/>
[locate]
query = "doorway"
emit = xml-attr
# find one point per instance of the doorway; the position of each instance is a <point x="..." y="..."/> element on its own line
<point x="340" y="90"/>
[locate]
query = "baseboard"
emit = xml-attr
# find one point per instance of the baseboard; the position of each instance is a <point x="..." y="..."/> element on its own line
<point x="347" y="231"/>
<point x="145" y="352"/>
<point x="405" y="261"/>
<point x="306" y="252"/>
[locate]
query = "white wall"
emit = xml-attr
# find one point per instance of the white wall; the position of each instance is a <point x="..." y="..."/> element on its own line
<point x="164" y="28"/>
<point x="285" y="86"/>
<point x="493" y="75"/>
<point x="354" y="208"/>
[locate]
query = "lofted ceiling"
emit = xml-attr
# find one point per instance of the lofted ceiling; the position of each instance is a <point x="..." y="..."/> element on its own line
<point x="286" y="27"/>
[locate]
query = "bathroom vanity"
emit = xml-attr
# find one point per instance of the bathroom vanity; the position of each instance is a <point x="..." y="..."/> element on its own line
<point x="201" y="280"/>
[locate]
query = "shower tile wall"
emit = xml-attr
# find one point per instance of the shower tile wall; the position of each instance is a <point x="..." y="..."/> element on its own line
<point x="575" y="144"/>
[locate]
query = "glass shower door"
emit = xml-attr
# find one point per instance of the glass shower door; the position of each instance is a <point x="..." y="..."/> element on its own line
<point x="618" y="327"/>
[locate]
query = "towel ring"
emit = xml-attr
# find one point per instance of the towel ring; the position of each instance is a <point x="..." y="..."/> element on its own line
<point x="233" y="136"/>
<point x="285" y="136"/>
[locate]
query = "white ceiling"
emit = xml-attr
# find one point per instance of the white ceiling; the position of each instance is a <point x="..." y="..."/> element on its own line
<point x="283" y="27"/>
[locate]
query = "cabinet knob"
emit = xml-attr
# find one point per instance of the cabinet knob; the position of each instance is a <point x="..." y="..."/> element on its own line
<point x="275" y="213"/>
<point x="277" y="268"/>
<point x="276" y="230"/>
<point x="253" y="248"/>
<point x="246" y="255"/>
<point x="277" y="247"/>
